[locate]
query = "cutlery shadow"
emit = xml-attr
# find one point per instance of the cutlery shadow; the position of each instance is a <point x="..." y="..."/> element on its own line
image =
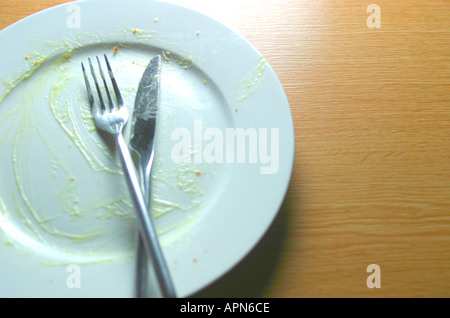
<point x="252" y="277"/>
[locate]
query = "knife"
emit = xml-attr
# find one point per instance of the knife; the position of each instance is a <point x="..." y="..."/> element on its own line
<point x="142" y="142"/>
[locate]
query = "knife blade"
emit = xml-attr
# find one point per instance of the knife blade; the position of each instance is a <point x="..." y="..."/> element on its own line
<point x="144" y="119"/>
<point x="142" y="142"/>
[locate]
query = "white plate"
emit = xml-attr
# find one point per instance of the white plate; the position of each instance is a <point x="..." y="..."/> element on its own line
<point x="65" y="214"/>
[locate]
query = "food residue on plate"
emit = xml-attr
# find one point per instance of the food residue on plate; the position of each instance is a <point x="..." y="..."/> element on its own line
<point x="183" y="62"/>
<point x="82" y="188"/>
<point x="141" y="34"/>
<point x="251" y="82"/>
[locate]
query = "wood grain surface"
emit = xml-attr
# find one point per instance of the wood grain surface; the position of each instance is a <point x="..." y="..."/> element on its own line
<point x="371" y="179"/>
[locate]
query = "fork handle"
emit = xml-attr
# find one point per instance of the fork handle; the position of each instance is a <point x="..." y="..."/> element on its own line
<point x="148" y="233"/>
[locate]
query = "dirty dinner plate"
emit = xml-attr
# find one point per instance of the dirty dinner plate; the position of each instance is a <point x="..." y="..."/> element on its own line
<point x="224" y="140"/>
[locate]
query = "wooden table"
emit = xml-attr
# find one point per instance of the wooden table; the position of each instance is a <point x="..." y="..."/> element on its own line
<point x="371" y="180"/>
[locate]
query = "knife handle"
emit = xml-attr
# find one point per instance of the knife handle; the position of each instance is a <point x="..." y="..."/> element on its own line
<point x="146" y="228"/>
<point x="142" y="263"/>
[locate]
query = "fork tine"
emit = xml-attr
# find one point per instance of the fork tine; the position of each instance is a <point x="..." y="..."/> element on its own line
<point x="111" y="105"/>
<point x="97" y="86"/>
<point x="88" y="87"/>
<point x="115" y="86"/>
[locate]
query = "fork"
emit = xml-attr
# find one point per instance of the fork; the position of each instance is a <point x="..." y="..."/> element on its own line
<point x="112" y="119"/>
